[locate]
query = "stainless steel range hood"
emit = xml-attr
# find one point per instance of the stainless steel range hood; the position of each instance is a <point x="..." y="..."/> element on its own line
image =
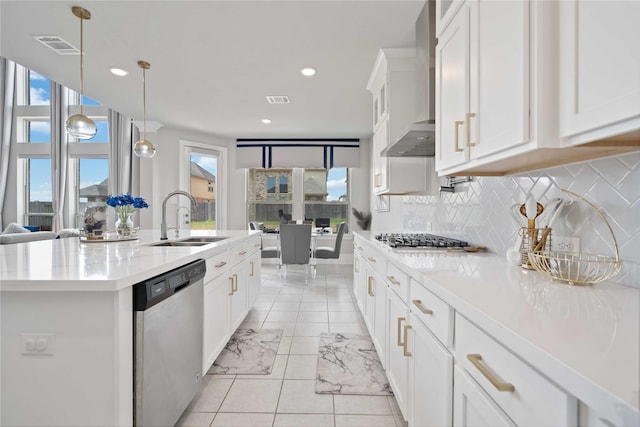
<point x="418" y="138"/>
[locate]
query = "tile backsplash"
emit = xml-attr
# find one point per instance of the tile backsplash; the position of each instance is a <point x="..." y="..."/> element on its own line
<point x="481" y="211"/>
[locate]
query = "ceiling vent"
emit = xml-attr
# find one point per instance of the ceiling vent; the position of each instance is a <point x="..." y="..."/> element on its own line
<point x="58" y="44"/>
<point x="278" y="99"/>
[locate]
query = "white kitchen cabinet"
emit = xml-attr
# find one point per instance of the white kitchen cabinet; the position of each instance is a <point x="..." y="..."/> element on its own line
<point x="375" y="312"/>
<point x="520" y="391"/>
<point x="599" y="69"/>
<point x="483" y="82"/>
<point x="398" y="356"/>
<point x="216" y="328"/>
<point x="445" y="11"/>
<point x="239" y="295"/>
<point x="392" y="84"/>
<point x="430" y="378"/>
<point x="472" y="407"/>
<point x="253" y="274"/>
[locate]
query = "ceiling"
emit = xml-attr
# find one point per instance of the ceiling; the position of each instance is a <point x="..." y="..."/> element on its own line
<point x="214" y="62"/>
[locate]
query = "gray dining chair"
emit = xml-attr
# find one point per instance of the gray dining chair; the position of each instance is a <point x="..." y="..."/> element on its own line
<point x="295" y="247"/>
<point x="327" y="252"/>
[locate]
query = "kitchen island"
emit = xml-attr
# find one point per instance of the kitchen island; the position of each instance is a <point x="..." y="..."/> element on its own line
<point x="67" y="323"/>
<point x="462" y="334"/>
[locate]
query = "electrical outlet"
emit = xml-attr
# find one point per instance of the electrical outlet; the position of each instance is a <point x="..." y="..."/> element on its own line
<point x="565" y="243"/>
<point x="39" y="344"/>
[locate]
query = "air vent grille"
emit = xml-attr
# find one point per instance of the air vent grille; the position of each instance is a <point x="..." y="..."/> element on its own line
<point x="58" y="44"/>
<point x="278" y="99"/>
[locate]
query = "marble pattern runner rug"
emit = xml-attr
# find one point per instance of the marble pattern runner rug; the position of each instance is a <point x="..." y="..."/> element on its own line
<point x="349" y="364"/>
<point x="249" y="351"/>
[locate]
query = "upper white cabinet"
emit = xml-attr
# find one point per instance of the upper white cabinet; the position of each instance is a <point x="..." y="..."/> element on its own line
<point x="392" y="84"/>
<point x="445" y="10"/>
<point x="507" y="97"/>
<point x="599" y="69"/>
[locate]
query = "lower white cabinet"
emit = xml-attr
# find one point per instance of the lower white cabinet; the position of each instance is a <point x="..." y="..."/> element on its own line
<point x="239" y="295"/>
<point x="254" y="278"/>
<point x="398" y="354"/>
<point x="430" y="378"/>
<point x="472" y="407"/>
<point x="216" y="328"/>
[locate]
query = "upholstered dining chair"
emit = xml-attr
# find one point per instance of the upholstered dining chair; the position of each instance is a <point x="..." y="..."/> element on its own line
<point x="327" y="252"/>
<point x="265" y="251"/>
<point x="295" y="247"/>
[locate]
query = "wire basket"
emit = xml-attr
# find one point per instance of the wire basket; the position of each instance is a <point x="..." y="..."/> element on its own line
<point x="578" y="268"/>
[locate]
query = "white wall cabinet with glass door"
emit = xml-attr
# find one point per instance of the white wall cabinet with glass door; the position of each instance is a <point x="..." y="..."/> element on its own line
<point x="599" y="67"/>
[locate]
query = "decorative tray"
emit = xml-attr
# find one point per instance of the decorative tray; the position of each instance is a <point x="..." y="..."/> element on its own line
<point x="109" y="236"/>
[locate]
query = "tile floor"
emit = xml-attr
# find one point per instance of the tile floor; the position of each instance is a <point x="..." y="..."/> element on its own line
<point x="287" y="396"/>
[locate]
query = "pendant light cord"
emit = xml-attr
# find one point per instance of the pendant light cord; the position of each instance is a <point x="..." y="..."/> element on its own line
<point x="144" y="103"/>
<point x="81" y="62"/>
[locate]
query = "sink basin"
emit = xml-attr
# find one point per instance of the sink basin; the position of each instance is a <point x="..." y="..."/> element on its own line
<point x="178" y="243"/>
<point x="203" y="239"/>
<point x="191" y="241"/>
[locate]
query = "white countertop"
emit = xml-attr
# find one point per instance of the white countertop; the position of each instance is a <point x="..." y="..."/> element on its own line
<point x="73" y="265"/>
<point x="585" y="338"/>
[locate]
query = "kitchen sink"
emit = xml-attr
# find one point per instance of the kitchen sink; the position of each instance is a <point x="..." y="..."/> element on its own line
<point x="178" y="243"/>
<point x="203" y="239"/>
<point x="190" y="241"/>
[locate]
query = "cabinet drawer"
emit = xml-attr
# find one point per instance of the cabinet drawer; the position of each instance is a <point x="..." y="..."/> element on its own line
<point x="436" y="314"/>
<point x="375" y="260"/>
<point x="254" y="245"/>
<point x="398" y="281"/>
<point x="216" y="265"/>
<point x="239" y="252"/>
<point x="522" y="393"/>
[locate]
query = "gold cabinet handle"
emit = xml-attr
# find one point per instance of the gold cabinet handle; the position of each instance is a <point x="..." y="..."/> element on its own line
<point x="235" y="281"/>
<point x="356" y="266"/>
<point x="231" y="279"/>
<point x="467" y="128"/>
<point x="371" y="259"/>
<point x="421" y="307"/>
<point x="242" y="252"/>
<point x="499" y="385"/>
<point x="456" y="134"/>
<point x="378" y="179"/>
<point x="393" y="280"/>
<point x="400" y="320"/>
<point x="220" y="264"/>
<point x="370" y="286"/>
<point x="404" y="345"/>
<point x="251" y="273"/>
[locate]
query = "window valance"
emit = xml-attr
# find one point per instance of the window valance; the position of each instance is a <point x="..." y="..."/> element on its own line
<point x="297" y="153"/>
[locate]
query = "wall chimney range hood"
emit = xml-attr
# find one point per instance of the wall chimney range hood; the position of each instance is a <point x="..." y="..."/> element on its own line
<point x="418" y="139"/>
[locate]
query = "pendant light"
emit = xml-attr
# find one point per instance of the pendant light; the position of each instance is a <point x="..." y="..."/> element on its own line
<point x="144" y="148"/>
<point x="79" y="125"/>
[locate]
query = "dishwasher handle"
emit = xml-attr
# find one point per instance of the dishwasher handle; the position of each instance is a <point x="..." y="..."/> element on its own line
<point x="156" y="289"/>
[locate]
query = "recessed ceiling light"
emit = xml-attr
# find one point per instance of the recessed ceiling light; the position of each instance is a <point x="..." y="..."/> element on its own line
<point x="308" y="71"/>
<point x="266" y="121"/>
<point x="118" y="71"/>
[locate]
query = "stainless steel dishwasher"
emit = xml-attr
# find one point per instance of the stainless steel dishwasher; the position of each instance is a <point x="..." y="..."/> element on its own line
<point x="167" y="335"/>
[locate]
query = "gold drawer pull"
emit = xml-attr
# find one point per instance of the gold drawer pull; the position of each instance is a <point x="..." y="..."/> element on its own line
<point x="371" y="259"/>
<point x="220" y="264"/>
<point x="242" y="252"/>
<point x="231" y="293"/>
<point x="356" y="265"/>
<point x="393" y="280"/>
<point x="468" y="129"/>
<point x="456" y="133"/>
<point x="421" y="307"/>
<point x="404" y="345"/>
<point x="378" y="179"/>
<point x="251" y="274"/>
<point x="370" y="287"/>
<point x="499" y="385"/>
<point x="235" y="281"/>
<point x="400" y="320"/>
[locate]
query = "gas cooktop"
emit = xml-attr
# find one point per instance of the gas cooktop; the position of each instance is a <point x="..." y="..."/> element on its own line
<point x="419" y="240"/>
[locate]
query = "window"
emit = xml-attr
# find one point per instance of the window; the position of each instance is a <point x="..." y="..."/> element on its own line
<point x="202" y="175"/>
<point x="87" y="169"/>
<point x="269" y="193"/>
<point x="321" y="193"/>
<point x="326" y="195"/>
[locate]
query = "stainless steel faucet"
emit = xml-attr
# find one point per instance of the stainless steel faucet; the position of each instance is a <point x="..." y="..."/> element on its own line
<point x="163" y="225"/>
